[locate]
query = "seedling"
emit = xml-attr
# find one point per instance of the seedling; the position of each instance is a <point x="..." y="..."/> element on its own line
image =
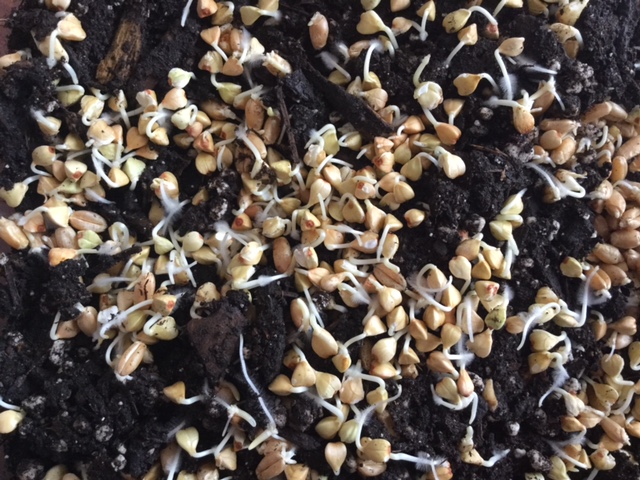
<point x="371" y="23"/>
<point x="426" y="12"/>
<point x="569" y="188"/>
<point x="271" y="431"/>
<point x="251" y="14"/>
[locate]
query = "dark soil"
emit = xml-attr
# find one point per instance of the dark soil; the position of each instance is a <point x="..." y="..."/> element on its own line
<point x="80" y="415"/>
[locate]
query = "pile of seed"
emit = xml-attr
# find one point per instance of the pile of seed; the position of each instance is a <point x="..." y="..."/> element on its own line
<point x="325" y="230"/>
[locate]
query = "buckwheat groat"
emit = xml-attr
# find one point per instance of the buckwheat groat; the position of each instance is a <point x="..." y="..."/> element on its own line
<point x="320" y="240"/>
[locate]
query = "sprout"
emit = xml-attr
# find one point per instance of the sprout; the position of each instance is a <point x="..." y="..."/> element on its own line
<point x="9" y="406"/>
<point x="261" y="281"/>
<point x="233" y="410"/>
<point x="14" y="196"/>
<point x="507" y="3"/>
<point x="425" y="293"/>
<point x="559" y="189"/>
<point x="536" y="315"/>
<point x="185" y="13"/>
<point x="355" y="371"/>
<point x="330" y="61"/>
<point x="558" y="448"/>
<point x="466" y="36"/>
<point x="48" y="125"/>
<point x="495" y="458"/>
<point x="336" y="410"/>
<point x="585" y="299"/>
<point x="466" y="401"/>
<point x="170" y="457"/>
<point x="422" y="461"/>
<point x="429" y="96"/>
<point x="272" y="430"/>
<point x="467" y="309"/>
<point x="374" y="45"/>
<point x="188" y="439"/>
<point x="171" y="206"/>
<point x="559" y="376"/>
<point x="522" y="118"/>
<point x="112" y="317"/>
<point x="511" y="47"/>
<point x="351" y="431"/>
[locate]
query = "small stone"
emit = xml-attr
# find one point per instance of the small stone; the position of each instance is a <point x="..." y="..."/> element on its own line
<point x="538" y="461"/>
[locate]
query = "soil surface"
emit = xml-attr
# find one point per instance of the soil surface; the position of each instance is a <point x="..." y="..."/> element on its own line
<point x="80" y="415"/>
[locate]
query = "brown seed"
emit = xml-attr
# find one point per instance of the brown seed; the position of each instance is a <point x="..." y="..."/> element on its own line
<point x="550" y="140"/>
<point x="270" y="466"/>
<point x="630" y="218"/>
<point x="464" y="383"/>
<point x="131" y="359"/>
<point x="619" y="169"/>
<point x="596" y="112"/>
<point x="630" y="148"/>
<point x="389" y="277"/>
<point x="429" y="344"/>
<point x="87" y="220"/>
<point x="318" y="30"/>
<point x="625" y="238"/>
<point x="607" y="253"/>
<point x="12" y="235"/>
<point x="489" y="395"/>
<point x="615" y="205"/>
<point x="564" y="152"/>
<point x="59" y="255"/>
<point x="617" y="275"/>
